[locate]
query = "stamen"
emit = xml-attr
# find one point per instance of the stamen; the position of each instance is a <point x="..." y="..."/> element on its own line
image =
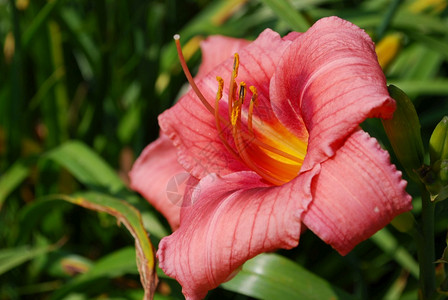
<point x="218" y="97"/>
<point x="242" y="92"/>
<point x="188" y="75"/>
<point x="220" y="88"/>
<point x="201" y="97"/>
<point x="253" y="101"/>
<point x="236" y="111"/>
<point x="218" y="117"/>
<point x="242" y="144"/>
<point x="236" y="64"/>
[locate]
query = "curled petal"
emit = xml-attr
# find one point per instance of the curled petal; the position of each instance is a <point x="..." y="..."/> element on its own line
<point x="356" y="193"/>
<point x="211" y="58"/>
<point x="231" y="220"/>
<point x="329" y="81"/>
<point x="161" y="179"/>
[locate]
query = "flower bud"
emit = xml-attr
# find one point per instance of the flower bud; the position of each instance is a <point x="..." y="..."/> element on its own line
<point x="438" y="153"/>
<point x="438" y="144"/>
<point x="403" y="131"/>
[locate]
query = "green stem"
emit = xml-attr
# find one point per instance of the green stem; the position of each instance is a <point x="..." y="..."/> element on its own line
<point x="425" y="246"/>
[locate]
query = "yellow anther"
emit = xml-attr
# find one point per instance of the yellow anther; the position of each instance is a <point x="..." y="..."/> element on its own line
<point x="236" y="64"/>
<point x="220" y="88"/>
<point x="242" y="93"/>
<point x="218" y="118"/>
<point x="253" y="101"/>
<point x="232" y="84"/>
<point x="254" y="94"/>
<point x="236" y="109"/>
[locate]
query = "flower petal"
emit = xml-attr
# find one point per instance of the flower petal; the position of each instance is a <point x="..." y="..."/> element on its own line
<point x="232" y="219"/>
<point x="356" y="193"/>
<point x="161" y="179"/>
<point x="216" y="49"/>
<point x="192" y="127"/>
<point x="330" y="81"/>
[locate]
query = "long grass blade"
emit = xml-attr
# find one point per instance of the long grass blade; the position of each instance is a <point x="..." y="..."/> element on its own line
<point x="285" y="11"/>
<point x="129" y="217"/>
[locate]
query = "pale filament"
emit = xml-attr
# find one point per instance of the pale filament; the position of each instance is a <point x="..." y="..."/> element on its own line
<point x="246" y="143"/>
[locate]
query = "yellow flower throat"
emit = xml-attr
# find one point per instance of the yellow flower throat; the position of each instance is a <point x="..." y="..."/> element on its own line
<point x="270" y="150"/>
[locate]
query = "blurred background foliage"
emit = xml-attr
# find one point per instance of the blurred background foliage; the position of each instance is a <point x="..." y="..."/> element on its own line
<point x="81" y="85"/>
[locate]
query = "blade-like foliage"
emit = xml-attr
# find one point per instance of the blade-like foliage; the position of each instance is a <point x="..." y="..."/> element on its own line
<point x="81" y="86"/>
<point x="129" y="217"/>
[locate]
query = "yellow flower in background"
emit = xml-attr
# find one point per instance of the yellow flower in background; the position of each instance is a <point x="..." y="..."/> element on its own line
<point x="435" y="6"/>
<point x="9" y="47"/>
<point x="387" y="49"/>
<point x="22" y="4"/>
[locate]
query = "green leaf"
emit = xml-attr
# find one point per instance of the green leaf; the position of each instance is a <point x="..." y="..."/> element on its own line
<point x="395" y="291"/>
<point x="389" y="244"/>
<point x="130" y="217"/>
<point x="209" y="21"/>
<point x="33" y="213"/>
<point x="388" y="16"/>
<point x="404" y="133"/>
<point x="443" y="194"/>
<point x="430" y="42"/>
<point x="429" y="87"/>
<point x="58" y="128"/>
<point x="13" y="177"/>
<point x="416" y="62"/>
<point x="86" y="166"/>
<point x="402" y="20"/>
<point x="113" y="265"/>
<point x="73" y="23"/>
<point x="38" y="22"/>
<point x="14" y="257"/>
<point x="271" y="276"/>
<point x="286" y="12"/>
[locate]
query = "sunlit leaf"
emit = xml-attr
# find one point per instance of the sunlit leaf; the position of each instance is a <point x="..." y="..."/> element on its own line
<point x="86" y="166"/>
<point x="271" y="276"/>
<point x="73" y="22"/>
<point x="38" y="22"/>
<point x="390" y="245"/>
<point x="428" y="87"/>
<point x="131" y="218"/>
<point x="113" y="265"/>
<point x="13" y="177"/>
<point x="286" y="12"/>
<point x="14" y="257"/>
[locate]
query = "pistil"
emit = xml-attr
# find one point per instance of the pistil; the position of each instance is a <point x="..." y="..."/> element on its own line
<point x="188" y="75"/>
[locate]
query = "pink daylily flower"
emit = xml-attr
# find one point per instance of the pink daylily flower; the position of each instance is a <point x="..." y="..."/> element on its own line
<point x="287" y="151"/>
